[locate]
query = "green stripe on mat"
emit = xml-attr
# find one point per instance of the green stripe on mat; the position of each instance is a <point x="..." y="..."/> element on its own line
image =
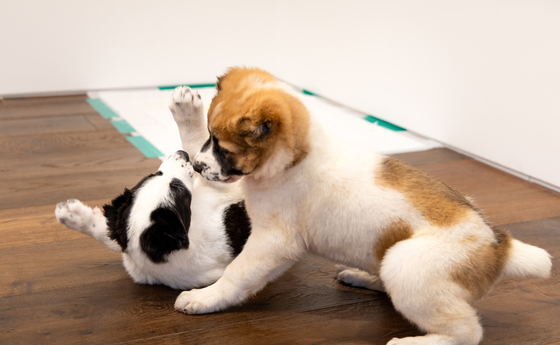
<point x="101" y="108"/>
<point x="123" y="126"/>
<point x="368" y="118"/>
<point x="145" y="147"/>
<point x="309" y="93"/>
<point x="192" y="86"/>
<point x="384" y="124"/>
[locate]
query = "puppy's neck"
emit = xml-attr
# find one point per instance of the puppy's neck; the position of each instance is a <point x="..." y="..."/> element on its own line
<point x="276" y="164"/>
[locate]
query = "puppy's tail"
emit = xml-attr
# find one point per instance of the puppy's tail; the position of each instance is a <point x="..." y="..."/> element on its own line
<point x="527" y="260"/>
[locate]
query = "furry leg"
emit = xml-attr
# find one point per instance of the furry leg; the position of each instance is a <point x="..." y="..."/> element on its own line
<point x="418" y="282"/>
<point x="188" y="111"/>
<point x="86" y="220"/>
<point x="265" y="257"/>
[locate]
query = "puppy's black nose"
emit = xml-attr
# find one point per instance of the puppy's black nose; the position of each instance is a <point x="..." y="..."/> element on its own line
<point x="198" y="167"/>
<point x="183" y="155"/>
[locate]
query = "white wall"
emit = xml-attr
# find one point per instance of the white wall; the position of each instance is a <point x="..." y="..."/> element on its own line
<point x="479" y="75"/>
<point x="65" y="45"/>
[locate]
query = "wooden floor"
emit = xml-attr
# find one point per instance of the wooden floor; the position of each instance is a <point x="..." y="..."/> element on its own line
<point x="59" y="286"/>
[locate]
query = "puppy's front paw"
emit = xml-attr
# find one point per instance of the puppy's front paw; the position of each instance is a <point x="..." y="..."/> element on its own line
<point x="75" y="215"/>
<point x="200" y="301"/>
<point x="186" y="104"/>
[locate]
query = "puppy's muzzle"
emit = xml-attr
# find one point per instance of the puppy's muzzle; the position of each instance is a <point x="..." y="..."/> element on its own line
<point x="199" y="167"/>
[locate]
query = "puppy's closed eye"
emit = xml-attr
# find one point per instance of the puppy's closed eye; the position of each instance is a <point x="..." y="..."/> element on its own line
<point x="262" y="130"/>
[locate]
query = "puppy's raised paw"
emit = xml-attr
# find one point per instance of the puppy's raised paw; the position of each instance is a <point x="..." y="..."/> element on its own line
<point x="186" y="104"/>
<point x="75" y="215"/>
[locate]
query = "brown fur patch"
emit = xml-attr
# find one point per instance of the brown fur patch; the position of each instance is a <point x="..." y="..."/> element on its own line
<point x="484" y="266"/>
<point x="396" y="231"/>
<point x="237" y="77"/>
<point x="240" y="109"/>
<point x="439" y="204"/>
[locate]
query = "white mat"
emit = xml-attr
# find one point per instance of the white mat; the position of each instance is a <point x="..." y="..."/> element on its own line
<point x="147" y="112"/>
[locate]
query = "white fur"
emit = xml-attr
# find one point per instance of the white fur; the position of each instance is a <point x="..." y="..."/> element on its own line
<point x="188" y="112"/>
<point x="359" y="278"/>
<point x="208" y="253"/>
<point x="212" y="170"/>
<point x="86" y="220"/>
<point x="528" y="260"/>
<point x="330" y="204"/>
<point x="274" y="165"/>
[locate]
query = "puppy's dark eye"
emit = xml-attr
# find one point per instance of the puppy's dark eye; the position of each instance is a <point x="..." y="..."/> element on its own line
<point x="159" y="173"/>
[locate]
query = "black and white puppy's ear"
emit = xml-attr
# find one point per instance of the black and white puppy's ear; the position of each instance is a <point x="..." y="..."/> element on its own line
<point x="117" y="214"/>
<point x="170" y="225"/>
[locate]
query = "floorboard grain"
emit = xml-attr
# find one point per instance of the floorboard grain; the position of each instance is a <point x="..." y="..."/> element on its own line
<point x="51" y="189"/>
<point x="433" y="156"/>
<point x="21" y="108"/>
<point x="51" y="124"/>
<point x="503" y="198"/>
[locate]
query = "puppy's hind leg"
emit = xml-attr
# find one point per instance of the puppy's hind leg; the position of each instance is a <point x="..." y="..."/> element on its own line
<point x="188" y="111"/>
<point x="416" y="276"/>
<point x="86" y="220"/>
<point x="358" y="278"/>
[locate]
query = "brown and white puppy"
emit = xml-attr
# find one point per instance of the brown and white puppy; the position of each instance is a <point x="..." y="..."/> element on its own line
<point x="422" y="242"/>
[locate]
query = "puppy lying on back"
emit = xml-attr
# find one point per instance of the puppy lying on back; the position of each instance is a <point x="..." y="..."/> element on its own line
<point x="173" y="227"/>
<point x="422" y="242"/>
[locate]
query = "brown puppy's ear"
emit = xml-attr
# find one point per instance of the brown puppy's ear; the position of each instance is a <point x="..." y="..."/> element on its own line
<point x="219" y="83"/>
<point x="255" y="131"/>
<point x="262" y="130"/>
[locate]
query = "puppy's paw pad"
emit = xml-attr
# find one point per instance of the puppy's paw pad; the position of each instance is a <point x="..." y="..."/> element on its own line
<point x="197" y="302"/>
<point x="185" y="103"/>
<point x="75" y="206"/>
<point x="73" y="214"/>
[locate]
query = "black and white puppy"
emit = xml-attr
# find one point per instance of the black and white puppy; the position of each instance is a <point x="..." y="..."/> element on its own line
<point x="173" y="227"/>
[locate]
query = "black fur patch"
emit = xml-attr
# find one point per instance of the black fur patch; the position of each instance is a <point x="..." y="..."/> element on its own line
<point x="238" y="226"/>
<point x="183" y="155"/>
<point x="206" y="145"/>
<point x="223" y="158"/>
<point x="170" y="225"/>
<point x="117" y="213"/>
